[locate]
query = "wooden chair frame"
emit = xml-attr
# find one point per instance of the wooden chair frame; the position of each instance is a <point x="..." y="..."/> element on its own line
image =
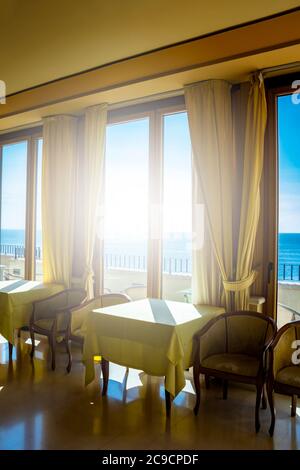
<point x="273" y="385"/>
<point x="53" y="333"/>
<point x="259" y="380"/>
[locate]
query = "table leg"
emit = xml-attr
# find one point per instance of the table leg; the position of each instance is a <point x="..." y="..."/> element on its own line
<point x="105" y="373"/>
<point x="10" y="350"/>
<point x="168" y="403"/>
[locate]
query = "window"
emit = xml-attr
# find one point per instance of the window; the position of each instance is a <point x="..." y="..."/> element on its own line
<point x="289" y="207"/>
<point x="177" y="208"/>
<point x="126" y="207"/>
<point x="148" y="205"/>
<point x="20" y="217"/>
<point x="13" y="210"/>
<point x="38" y="224"/>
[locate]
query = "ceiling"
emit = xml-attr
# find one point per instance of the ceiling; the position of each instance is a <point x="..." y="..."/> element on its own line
<point x="47" y="40"/>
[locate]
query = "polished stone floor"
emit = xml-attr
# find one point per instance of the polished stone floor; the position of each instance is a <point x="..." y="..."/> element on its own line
<point x="41" y="409"/>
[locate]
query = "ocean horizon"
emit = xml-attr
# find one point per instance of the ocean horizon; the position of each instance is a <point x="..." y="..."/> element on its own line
<point x="178" y="247"/>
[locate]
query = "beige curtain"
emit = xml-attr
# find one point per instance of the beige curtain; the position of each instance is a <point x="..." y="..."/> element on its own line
<point x="73" y="161"/>
<point x="210" y="122"/>
<point x="90" y="185"/>
<point x="231" y="203"/>
<point x="250" y="206"/>
<point x="58" y="181"/>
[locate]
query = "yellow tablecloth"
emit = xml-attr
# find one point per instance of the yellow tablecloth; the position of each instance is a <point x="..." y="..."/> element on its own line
<point x="151" y="335"/>
<point x="16" y="299"/>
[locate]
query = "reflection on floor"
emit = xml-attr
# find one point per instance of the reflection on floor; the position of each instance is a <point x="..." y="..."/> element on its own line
<point x="41" y="409"/>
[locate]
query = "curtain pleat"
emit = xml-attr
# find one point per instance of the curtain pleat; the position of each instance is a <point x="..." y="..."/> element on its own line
<point x="73" y="164"/>
<point x="227" y="143"/>
<point x="58" y="185"/>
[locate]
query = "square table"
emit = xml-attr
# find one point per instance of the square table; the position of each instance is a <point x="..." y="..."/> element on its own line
<point x="152" y="335"/>
<point x="16" y="299"/>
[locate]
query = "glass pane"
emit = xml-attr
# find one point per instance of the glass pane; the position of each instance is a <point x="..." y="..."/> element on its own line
<point x="177" y="209"/>
<point x="13" y="210"/>
<point x="38" y="236"/>
<point x="126" y="208"/>
<point x="289" y="210"/>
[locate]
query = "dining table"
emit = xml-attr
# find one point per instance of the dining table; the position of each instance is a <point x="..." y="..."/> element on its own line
<point x="16" y="297"/>
<point x="152" y="335"/>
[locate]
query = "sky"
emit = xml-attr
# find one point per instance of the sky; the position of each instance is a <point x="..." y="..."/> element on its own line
<point x="127" y="150"/>
<point x="289" y="164"/>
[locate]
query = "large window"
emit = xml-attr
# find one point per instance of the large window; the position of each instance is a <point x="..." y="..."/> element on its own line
<point x="148" y="206"/>
<point x="177" y="207"/>
<point x="126" y="207"/>
<point x="13" y="210"/>
<point x="38" y="232"/>
<point x="20" y="208"/>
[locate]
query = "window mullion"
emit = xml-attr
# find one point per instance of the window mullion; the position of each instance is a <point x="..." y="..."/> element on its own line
<point x="154" y="282"/>
<point x="30" y="209"/>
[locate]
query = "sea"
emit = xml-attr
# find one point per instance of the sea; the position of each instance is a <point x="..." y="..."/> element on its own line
<point x="176" y="250"/>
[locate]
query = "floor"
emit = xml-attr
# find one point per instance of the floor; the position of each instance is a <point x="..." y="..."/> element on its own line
<point x="41" y="409"/>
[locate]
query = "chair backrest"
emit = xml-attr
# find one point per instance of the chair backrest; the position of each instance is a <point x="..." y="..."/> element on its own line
<point x="283" y="344"/>
<point x="136" y="292"/>
<point x="114" y="299"/>
<point x="248" y="332"/>
<point x="79" y="314"/>
<point x="243" y="332"/>
<point x="66" y="299"/>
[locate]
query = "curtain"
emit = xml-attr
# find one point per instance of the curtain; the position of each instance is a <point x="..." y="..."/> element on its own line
<point x="227" y="172"/>
<point x="58" y="181"/>
<point x="250" y="206"/>
<point x="73" y="162"/>
<point x="90" y="183"/>
<point x="210" y="122"/>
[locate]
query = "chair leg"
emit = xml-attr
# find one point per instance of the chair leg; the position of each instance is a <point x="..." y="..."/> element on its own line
<point x="259" y="388"/>
<point x="68" y="348"/>
<point x="263" y="398"/>
<point x="32" y="342"/>
<point x="207" y="383"/>
<point x="196" y="375"/>
<point x="168" y="403"/>
<point x="225" y="389"/>
<point x="10" y="350"/>
<point x="271" y="404"/>
<point x="294" y="406"/>
<point x="52" y="342"/>
<point x="105" y="373"/>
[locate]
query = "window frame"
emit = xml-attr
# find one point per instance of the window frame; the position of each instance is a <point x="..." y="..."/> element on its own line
<point x="31" y="136"/>
<point x="155" y="112"/>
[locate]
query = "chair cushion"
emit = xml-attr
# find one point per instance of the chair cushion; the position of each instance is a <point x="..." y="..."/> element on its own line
<point x="47" y="323"/>
<point x="289" y="376"/>
<point x="239" y="364"/>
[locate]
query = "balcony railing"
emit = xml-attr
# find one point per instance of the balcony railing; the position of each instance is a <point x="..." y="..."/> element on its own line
<point x="18" y="251"/>
<point x="289" y="272"/>
<point x="171" y="264"/>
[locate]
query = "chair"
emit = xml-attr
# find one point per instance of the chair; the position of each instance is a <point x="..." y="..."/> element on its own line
<point x="51" y="317"/>
<point x="232" y="347"/>
<point x="79" y="314"/>
<point x="136" y="292"/>
<point x="284" y="373"/>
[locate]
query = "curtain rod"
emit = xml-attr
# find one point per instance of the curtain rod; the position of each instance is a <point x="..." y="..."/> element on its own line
<point x="278" y="68"/>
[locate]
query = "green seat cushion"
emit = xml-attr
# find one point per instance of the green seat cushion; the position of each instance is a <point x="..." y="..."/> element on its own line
<point x="238" y="364"/>
<point x="289" y="376"/>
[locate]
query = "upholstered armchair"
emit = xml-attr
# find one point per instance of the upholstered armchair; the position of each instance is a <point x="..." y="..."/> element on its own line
<point x="284" y="373"/>
<point x="232" y="347"/>
<point x="79" y="314"/>
<point x="51" y="317"/>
